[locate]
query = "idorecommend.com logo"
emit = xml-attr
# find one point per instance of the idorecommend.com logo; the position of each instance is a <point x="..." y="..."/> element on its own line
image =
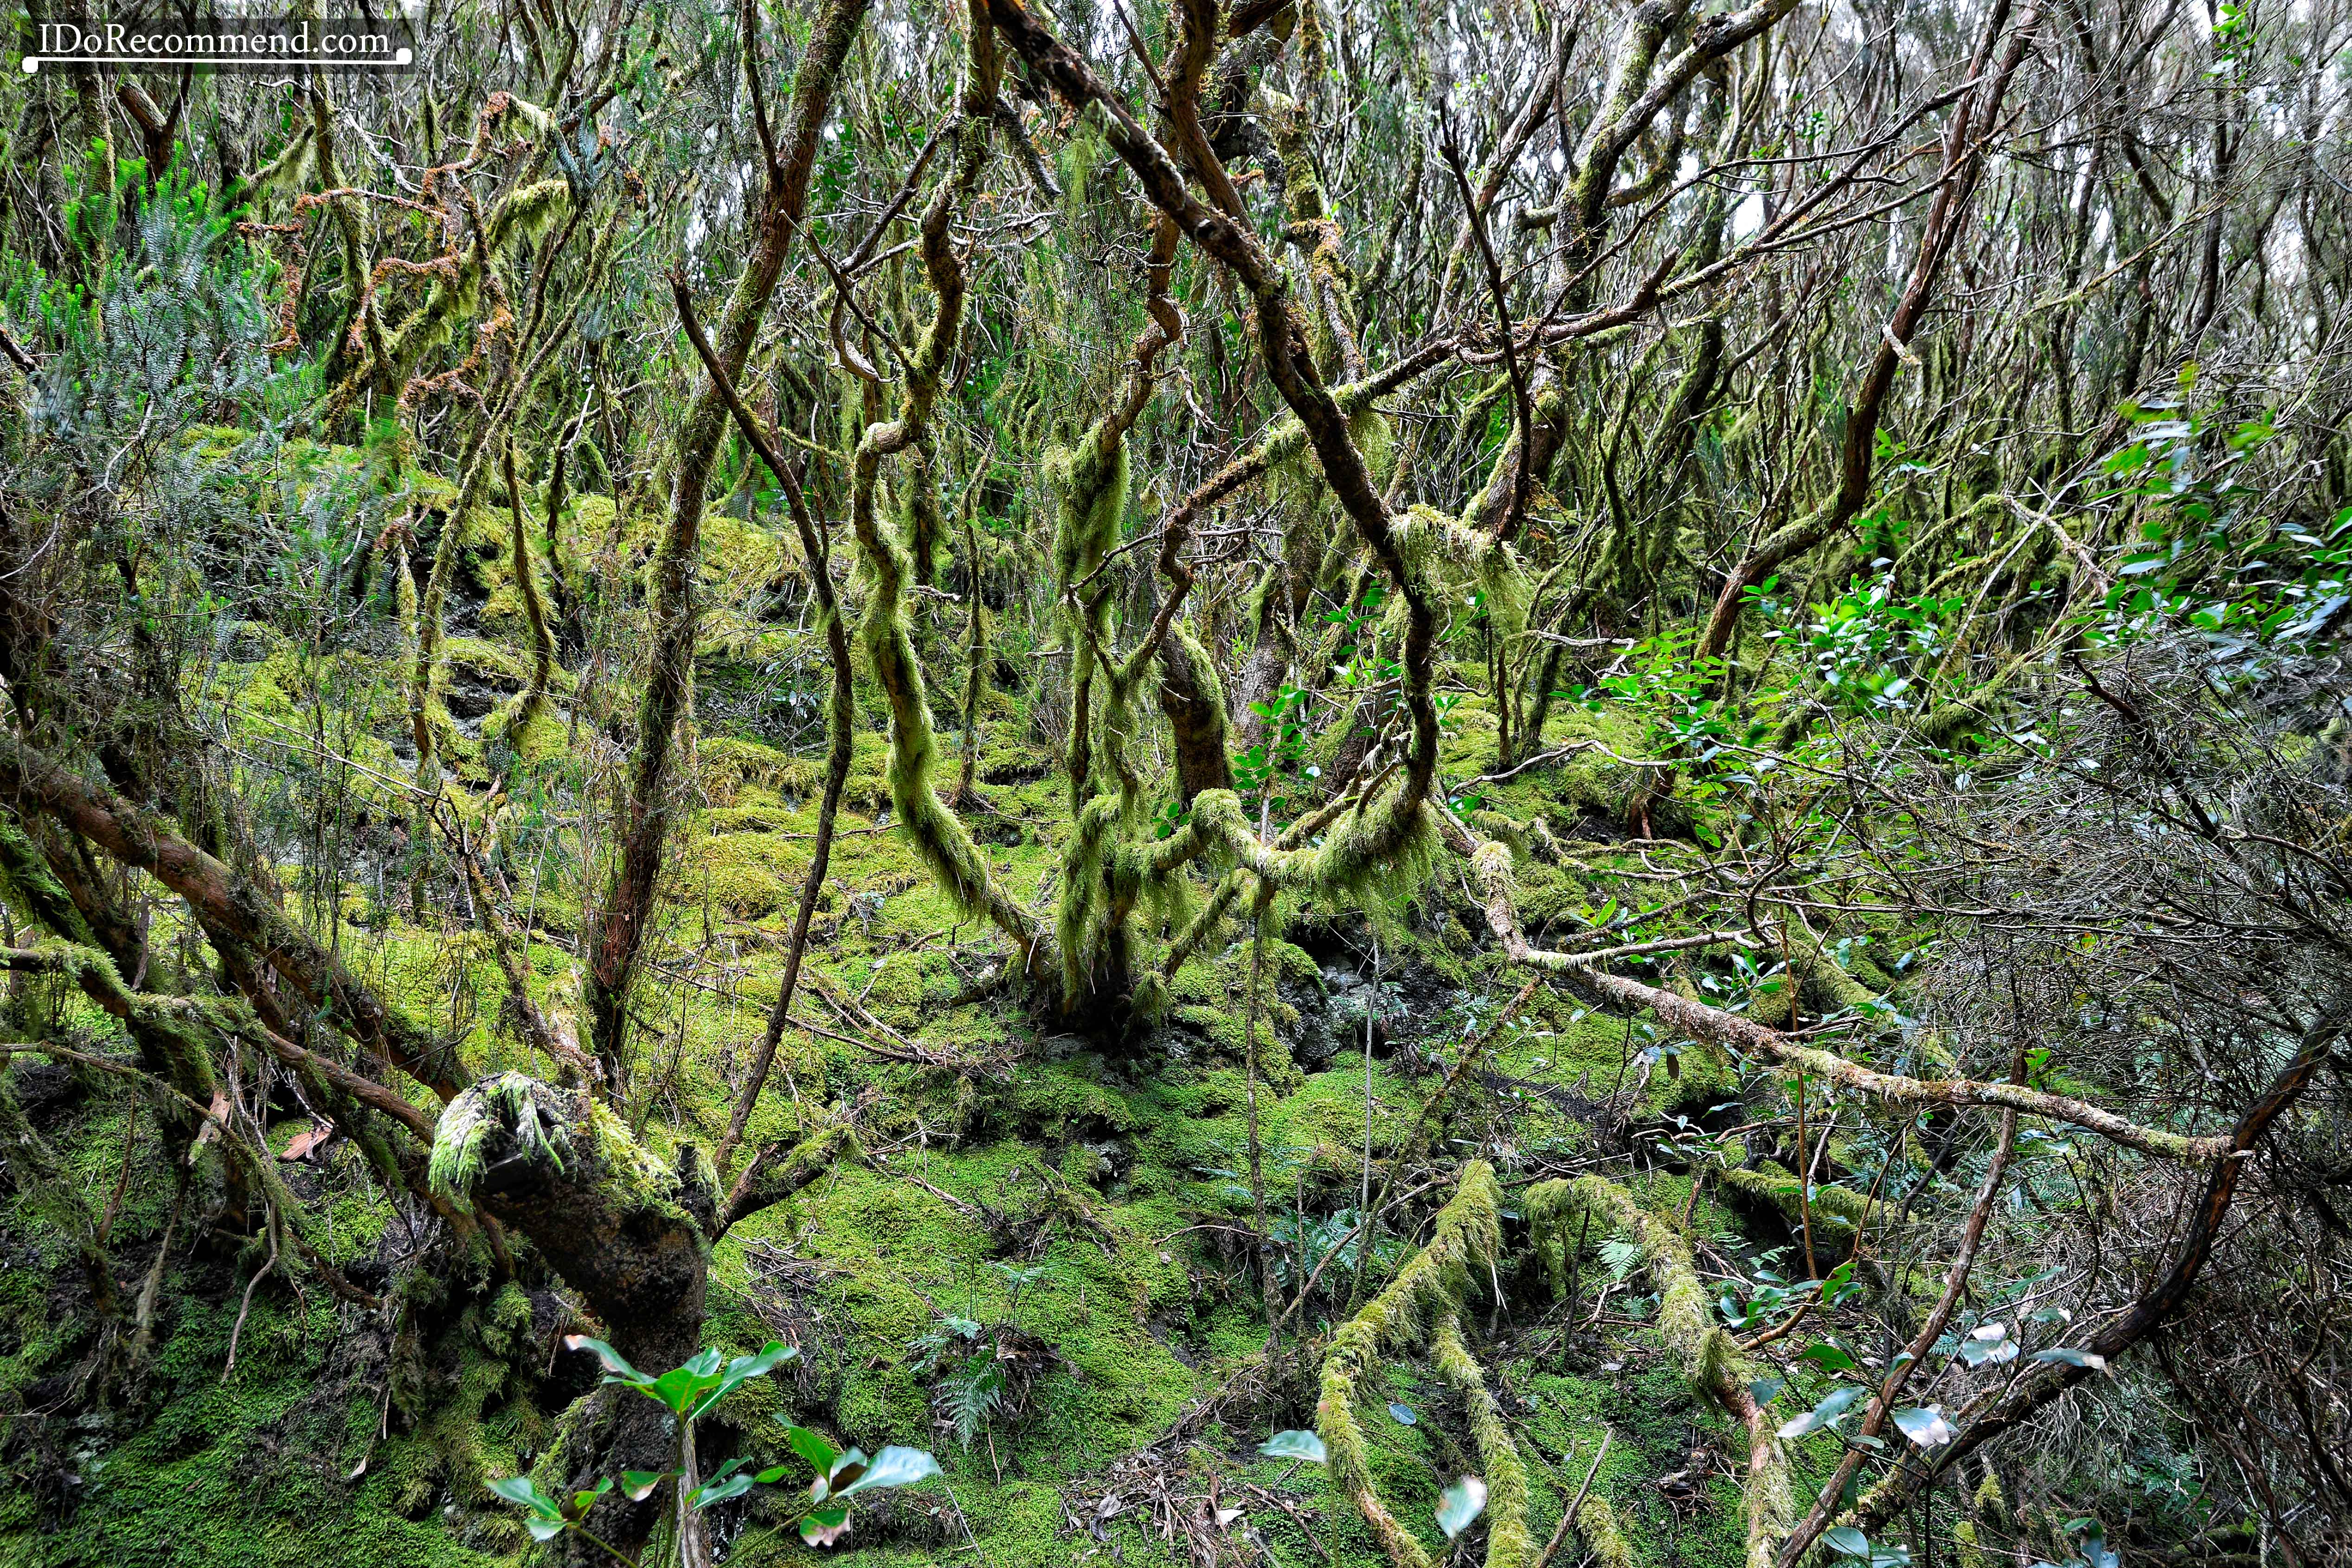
<point x="243" y="43"/>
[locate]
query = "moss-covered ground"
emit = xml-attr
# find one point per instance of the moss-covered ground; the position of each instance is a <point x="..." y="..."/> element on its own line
<point x="1077" y="1200"/>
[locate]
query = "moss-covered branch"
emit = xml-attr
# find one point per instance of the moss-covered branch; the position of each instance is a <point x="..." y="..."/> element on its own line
<point x="778" y="1172"/>
<point x="1491" y="863"/>
<point x="938" y="836"/>
<point x="1840" y="1208"/>
<point x="1423" y="1297"/>
<point x="1509" y="1543"/>
<point x="1222" y="229"/>
<point x="533" y="700"/>
<point x="227" y="901"/>
<point x="1711" y="1358"/>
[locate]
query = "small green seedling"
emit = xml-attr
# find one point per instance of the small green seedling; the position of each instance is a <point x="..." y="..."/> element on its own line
<point x="689" y="1393"/>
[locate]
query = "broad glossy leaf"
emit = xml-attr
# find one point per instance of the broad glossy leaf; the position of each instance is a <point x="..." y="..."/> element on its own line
<point x="681" y="1386"/>
<point x="1924" y="1427"/>
<point x="1828" y="1357"/>
<point x="1838" y="1402"/>
<point x="616" y="1365"/>
<point x="743" y="1368"/>
<point x="545" y="1529"/>
<point x="678" y="1389"/>
<point x="1459" y="1504"/>
<point x="1848" y="1541"/>
<point x="1402" y="1413"/>
<point x="718" y="1491"/>
<point x="2070" y="1356"/>
<point x="1295" y="1445"/>
<point x="825" y="1526"/>
<point x="523" y="1489"/>
<point x="841" y="1478"/>
<point x="1989" y="1343"/>
<point x="585" y="1499"/>
<point x="769" y="1357"/>
<point x="819" y="1453"/>
<point x="892" y="1466"/>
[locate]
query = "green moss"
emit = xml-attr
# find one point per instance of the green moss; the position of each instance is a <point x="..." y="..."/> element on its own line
<point x="265" y="1470"/>
<point x="1425" y="1293"/>
<point x="1838" y="1209"/>
<point x="532" y="729"/>
<point x="894" y="992"/>
<point x="749" y="874"/>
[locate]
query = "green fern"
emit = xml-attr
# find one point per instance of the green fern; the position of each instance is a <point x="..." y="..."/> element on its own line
<point x="1620" y="1257"/>
<point x="969" y="1395"/>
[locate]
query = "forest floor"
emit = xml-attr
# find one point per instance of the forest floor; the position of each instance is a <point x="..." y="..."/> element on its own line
<point x="1039" y="1274"/>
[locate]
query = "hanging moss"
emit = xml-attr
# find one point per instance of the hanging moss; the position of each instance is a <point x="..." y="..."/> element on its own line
<point x="506" y="1106"/>
<point x="1082" y="915"/>
<point x="1426" y="538"/>
<point x="1089" y="480"/>
<point x="522" y="217"/>
<point x="938" y="836"/>
<point x="1354" y="860"/>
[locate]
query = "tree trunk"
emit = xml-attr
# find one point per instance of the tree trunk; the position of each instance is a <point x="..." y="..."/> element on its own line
<point x="619" y="927"/>
<point x="631" y="1238"/>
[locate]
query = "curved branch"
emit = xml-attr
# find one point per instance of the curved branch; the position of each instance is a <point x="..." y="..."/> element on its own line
<point x="2150" y="1311"/>
<point x="1491" y="865"/>
<point x="226" y="901"/>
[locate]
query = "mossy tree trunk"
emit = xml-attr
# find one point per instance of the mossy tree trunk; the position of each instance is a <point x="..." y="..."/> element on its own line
<point x="632" y="1235"/>
<point x="620" y="923"/>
